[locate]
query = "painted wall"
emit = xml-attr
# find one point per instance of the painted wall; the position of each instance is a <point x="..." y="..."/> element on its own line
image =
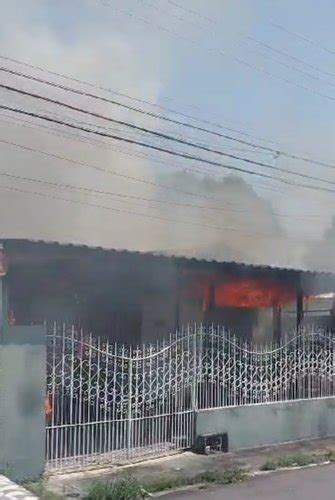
<point x="22" y="393"/>
<point x="264" y="424"/>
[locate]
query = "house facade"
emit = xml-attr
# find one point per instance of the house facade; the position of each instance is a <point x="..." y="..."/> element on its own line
<point x="141" y="297"/>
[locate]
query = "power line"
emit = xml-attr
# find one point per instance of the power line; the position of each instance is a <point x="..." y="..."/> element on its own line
<point x="100" y="143"/>
<point x="303" y="38"/>
<point x="137" y="110"/>
<point x="190" y="11"/>
<point x="142" y="155"/>
<point x="106" y="171"/>
<point x="122" y="211"/>
<point x="289" y="56"/>
<point x="94" y="141"/>
<point x="120" y="197"/>
<point x="127" y="196"/>
<point x="164" y="150"/>
<point x="266" y="45"/>
<point x="154" y="115"/>
<point x="115" y="194"/>
<point x="164" y="219"/>
<point x="247" y="64"/>
<point x="292" y="68"/>
<point x="127" y="96"/>
<point x="160" y="135"/>
<point x="160" y="9"/>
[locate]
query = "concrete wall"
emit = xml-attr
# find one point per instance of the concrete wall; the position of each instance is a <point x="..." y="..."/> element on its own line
<point x="22" y="393"/>
<point x="263" y="424"/>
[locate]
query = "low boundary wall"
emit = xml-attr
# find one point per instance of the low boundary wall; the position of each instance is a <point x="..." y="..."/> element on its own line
<point x="270" y="423"/>
<point x="22" y="394"/>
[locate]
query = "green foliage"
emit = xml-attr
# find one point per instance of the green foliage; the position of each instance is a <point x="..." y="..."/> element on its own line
<point x="330" y="456"/>
<point x="39" y="489"/>
<point x="166" y="483"/>
<point x="126" y="488"/>
<point x="298" y="460"/>
<point x="229" y="476"/>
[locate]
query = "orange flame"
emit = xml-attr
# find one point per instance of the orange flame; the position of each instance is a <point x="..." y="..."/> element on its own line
<point x="48" y="407"/>
<point x="239" y="292"/>
<point x="252" y="293"/>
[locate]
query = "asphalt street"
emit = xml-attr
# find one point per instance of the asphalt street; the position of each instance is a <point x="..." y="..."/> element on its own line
<point x="315" y="483"/>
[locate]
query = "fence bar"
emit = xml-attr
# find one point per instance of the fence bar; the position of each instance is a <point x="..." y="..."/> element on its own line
<point x="111" y="403"/>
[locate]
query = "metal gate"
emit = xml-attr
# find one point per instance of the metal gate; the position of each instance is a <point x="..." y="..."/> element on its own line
<point x="111" y="403"/>
<point x="108" y="403"/>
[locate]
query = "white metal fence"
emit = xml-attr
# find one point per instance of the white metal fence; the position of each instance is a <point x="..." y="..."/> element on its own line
<point x="115" y="403"/>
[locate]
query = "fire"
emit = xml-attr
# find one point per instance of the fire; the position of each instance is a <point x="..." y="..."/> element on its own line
<point x="241" y="292"/>
<point x="48" y="407"/>
<point x="252" y="293"/>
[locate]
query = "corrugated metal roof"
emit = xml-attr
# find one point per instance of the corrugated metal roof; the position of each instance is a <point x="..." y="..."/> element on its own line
<point x="169" y="255"/>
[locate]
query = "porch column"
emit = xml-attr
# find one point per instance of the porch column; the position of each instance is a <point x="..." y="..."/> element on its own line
<point x="22" y="393"/>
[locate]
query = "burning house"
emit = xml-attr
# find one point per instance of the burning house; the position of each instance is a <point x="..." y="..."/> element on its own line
<point x="105" y="392"/>
<point x="139" y="297"/>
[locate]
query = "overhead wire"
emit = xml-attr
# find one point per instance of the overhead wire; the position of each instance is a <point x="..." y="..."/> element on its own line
<point x="122" y="195"/>
<point x="222" y="53"/>
<point x="165" y="219"/>
<point x="289" y="66"/>
<point x="133" y="154"/>
<point x="190" y="11"/>
<point x="163" y="136"/>
<point x="165" y="150"/>
<point x="143" y="101"/>
<point x="132" y="108"/>
<point x="140" y="155"/>
<point x="108" y="171"/>
<point x="129" y="212"/>
<point x="156" y="148"/>
<point x="115" y="194"/>
<point x="264" y="44"/>
<point x="294" y="156"/>
<point x="303" y="38"/>
<point x="100" y="143"/>
<point x="288" y="56"/>
<point x="161" y="9"/>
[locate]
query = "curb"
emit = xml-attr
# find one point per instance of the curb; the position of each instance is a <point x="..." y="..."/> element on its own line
<point x="252" y="474"/>
<point x="286" y="469"/>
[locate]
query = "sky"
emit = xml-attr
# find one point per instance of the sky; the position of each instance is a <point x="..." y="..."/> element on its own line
<point x="206" y="60"/>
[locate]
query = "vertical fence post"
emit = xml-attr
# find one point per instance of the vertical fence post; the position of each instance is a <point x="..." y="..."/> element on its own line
<point x="194" y="374"/>
<point x="130" y="391"/>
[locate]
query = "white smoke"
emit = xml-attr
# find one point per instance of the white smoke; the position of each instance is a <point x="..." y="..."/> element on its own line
<point x="90" y="42"/>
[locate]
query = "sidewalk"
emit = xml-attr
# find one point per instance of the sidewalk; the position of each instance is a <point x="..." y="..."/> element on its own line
<point x="8" y="489"/>
<point x="185" y="464"/>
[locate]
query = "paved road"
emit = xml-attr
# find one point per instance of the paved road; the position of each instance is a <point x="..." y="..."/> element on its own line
<point x="315" y="483"/>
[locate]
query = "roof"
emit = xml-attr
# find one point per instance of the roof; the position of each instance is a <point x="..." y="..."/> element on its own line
<point x="163" y="255"/>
